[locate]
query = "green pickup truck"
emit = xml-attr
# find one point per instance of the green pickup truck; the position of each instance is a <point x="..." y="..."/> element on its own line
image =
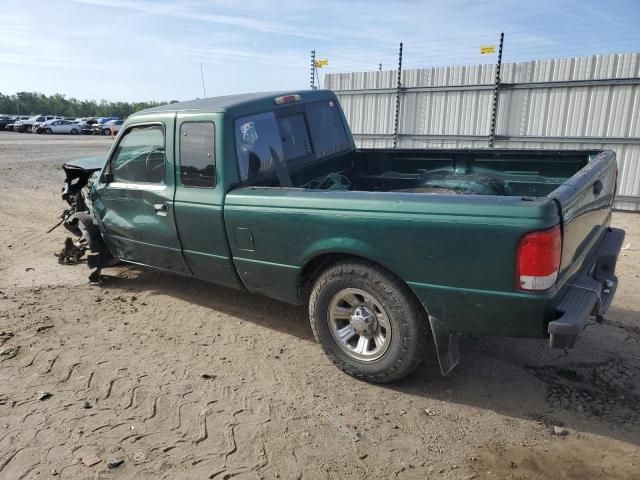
<point x="392" y="249"/>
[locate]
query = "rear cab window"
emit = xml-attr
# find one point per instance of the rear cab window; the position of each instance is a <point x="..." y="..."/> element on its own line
<point x="257" y="141"/>
<point x="327" y="128"/>
<point x="310" y="132"/>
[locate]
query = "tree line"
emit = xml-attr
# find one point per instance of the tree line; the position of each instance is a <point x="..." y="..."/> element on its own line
<point x="33" y="103"/>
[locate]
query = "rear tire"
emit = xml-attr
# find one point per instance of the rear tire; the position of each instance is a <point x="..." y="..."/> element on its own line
<point x="349" y="295"/>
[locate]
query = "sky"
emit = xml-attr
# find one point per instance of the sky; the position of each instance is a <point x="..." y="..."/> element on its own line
<point x="139" y="50"/>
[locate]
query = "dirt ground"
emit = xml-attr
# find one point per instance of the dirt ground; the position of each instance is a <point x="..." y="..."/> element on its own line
<point x="185" y="380"/>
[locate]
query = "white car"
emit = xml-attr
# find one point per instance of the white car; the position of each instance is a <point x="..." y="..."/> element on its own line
<point x="27" y="125"/>
<point x="38" y="126"/>
<point x="61" y="126"/>
<point x="107" y="127"/>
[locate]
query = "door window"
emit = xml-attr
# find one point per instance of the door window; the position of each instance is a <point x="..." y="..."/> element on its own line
<point x="140" y="156"/>
<point x="197" y="154"/>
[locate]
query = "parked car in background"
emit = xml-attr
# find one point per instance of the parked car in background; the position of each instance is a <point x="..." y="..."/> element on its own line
<point x="87" y="126"/>
<point x="60" y="126"/>
<point x="38" y="126"/>
<point x="27" y="125"/>
<point x="11" y="126"/>
<point x="4" y="121"/>
<point x="107" y="127"/>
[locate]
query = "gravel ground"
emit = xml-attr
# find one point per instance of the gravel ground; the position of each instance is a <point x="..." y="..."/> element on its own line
<point x="182" y="379"/>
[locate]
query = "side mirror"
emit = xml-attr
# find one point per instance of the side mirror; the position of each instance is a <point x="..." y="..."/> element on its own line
<point x="107" y="177"/>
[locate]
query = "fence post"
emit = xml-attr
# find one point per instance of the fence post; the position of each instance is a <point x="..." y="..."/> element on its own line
<point x="496" y="96"/>
<point x="313" y="69"/>
<point x="396" y="122"/>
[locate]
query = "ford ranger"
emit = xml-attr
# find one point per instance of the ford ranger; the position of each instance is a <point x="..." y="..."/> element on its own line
<point x="393" y="250"/>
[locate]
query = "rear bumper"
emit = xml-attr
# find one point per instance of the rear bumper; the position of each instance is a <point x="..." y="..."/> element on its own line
<point x="589" y="293"/>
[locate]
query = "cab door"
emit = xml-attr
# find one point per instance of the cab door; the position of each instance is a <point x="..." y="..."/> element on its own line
<point x="133" y="200"/>
<point x="199" y="198"/>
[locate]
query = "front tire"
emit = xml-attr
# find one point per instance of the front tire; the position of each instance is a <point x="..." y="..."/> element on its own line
<point x="74" y="131"/>
<point x="48" y="131"/>
<point x="368" y="322"/>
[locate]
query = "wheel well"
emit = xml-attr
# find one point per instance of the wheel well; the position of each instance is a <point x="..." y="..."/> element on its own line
<point x="314" y="267"/>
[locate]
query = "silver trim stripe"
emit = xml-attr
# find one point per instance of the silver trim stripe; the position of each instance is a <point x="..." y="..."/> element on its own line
<point x="137" y="186"/>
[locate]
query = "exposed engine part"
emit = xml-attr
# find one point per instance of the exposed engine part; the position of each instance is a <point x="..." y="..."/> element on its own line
<point x="72" y="252"/>
<point x="77" y="219"/>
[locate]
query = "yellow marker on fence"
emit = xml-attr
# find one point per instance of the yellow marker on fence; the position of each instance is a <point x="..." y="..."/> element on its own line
<point x="487" y="49"/>
<point x="322" y="62"/>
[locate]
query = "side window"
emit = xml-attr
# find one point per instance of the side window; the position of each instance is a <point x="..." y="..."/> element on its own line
<point x="257" y="140"/>
<point x="140" y="157"/>
<point x="197" y="154"/>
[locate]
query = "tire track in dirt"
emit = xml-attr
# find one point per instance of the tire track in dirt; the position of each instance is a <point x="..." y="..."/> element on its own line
<point x="186" y="380"/>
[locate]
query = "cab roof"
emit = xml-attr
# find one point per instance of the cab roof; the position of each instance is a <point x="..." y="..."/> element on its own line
<point x="237" y="103"/>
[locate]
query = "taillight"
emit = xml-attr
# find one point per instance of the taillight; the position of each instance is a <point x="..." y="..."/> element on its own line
<point x="538" y="259"/>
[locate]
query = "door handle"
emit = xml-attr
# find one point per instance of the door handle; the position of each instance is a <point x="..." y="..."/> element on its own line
<point x="597" y="187"/>
<point x="161" y="209"/>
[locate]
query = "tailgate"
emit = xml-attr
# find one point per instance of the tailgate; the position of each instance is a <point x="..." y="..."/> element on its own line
<point x="584" y="201"/>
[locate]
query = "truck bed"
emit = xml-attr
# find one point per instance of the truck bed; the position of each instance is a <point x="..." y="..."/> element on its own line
<point x="511" y="173"/>
<point x="467" y="172"/>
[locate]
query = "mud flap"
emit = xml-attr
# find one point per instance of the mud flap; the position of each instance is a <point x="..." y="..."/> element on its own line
<point x="446" y="345"/>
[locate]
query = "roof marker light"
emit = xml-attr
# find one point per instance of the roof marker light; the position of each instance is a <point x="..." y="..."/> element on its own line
<point x="287" y="99"/>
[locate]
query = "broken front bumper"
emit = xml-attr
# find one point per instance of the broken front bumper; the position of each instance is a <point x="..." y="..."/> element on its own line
<point x="589" y="293"/>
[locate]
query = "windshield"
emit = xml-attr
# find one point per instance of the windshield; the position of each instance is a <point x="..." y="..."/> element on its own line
<point x="264" y="139"/>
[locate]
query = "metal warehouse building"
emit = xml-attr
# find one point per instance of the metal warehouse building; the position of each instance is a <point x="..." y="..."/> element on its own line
<point x="573" y="103"/>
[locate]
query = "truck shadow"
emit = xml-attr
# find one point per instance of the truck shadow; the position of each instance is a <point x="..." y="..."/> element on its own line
<point x="257" y="309"/>
<point x="594" y="388"/>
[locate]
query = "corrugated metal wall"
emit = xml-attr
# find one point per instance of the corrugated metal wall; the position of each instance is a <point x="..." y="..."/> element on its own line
<point x="573" y="103"/>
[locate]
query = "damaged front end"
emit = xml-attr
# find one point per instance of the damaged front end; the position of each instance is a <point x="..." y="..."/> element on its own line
<point x="78" y="218"/>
